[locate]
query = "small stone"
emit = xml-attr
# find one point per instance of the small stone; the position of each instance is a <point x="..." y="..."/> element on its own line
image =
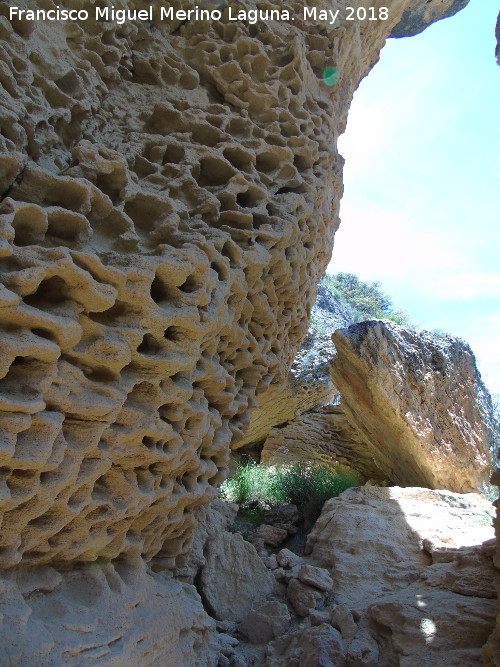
<point x="363" y="651"/>
<point x="342" y="619"/>
<point x="283" y="575"/>
<point x="266" y="623"/>
<point x="227" y="639"/>
<point x="303" y="597"/>
<point x="271" y="535"/>
<point x="287" y="558"/>
<point x="227" y="644"/>
<point x="226" y="627"/>
<point x="238" y="661"/>
<point x="317" y="617"/>
<point x="284" y="514"/>
<point x="316" y="576"/>
<point x="271" y="562"/>
<point x="319" y="646"/>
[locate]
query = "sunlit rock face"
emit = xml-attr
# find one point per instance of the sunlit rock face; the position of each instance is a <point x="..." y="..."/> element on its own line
<point x="417" y="401"/>
<point x="416" y="566"/>
<point x="169" y="196"/>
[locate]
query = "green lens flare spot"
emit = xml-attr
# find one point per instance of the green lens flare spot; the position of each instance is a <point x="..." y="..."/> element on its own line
<point x="331" y="76"/>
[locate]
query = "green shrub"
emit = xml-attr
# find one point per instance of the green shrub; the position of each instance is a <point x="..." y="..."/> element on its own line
<point x="399" y="316"/>
<point x="261" y="487"/>
<point x="319" y="327"/>
<point x="365" y="300"/>
<point x="368" y="298"/>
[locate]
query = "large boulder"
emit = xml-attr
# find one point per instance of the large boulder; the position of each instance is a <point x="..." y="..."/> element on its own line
<point x="320" y="646"/>
<point x="416" y="567"/>
<point x="233" y="579"/>
<point x="211" y="521"/>
<point x="417" y="400"/>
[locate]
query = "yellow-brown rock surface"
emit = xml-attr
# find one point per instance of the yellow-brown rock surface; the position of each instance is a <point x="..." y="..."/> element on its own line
<point x="169" y="196"/>
<point x="417" y="400"/>
<point x="491" y="650"/>
<point x="309" y="384"/>
<point x="416" y="566"/>
<point x="323" y="435"/>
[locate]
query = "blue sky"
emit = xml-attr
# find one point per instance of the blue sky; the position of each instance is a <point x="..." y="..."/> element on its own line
<point x="421" y="206"/>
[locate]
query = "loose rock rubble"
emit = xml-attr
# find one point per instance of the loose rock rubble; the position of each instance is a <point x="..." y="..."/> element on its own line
<point x="391" y="576"/>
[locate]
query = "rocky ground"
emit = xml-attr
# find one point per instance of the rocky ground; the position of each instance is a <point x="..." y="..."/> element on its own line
<point x="390" y="576"/>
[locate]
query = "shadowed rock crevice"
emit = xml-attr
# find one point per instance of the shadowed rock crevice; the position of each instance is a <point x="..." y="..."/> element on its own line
<point x="418" y="402"/>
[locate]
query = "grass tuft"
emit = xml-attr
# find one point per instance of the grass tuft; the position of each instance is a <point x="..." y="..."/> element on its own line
<point x="260" y="488"/>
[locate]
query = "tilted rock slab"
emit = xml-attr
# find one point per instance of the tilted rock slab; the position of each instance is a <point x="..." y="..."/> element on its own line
<point x="169" y="196"/>
<point x="418" y="400"/>
<point x="416" y="565"/>
<point x="321" y="435"/>
<point x="285" y="402"/>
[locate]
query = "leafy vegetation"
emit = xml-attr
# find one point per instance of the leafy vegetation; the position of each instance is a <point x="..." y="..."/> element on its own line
<point x="259" y="488"/>
<point x="366" y="299"/>
<point x="319" y="327"/>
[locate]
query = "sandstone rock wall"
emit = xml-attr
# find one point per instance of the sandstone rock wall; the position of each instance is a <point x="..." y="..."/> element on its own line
<point x="167" y="193"/>
<point x="323" y="435"/>
<point x="309" y="384"/>
<point x="102" y="614"/>
<point x="169" y="196"/>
